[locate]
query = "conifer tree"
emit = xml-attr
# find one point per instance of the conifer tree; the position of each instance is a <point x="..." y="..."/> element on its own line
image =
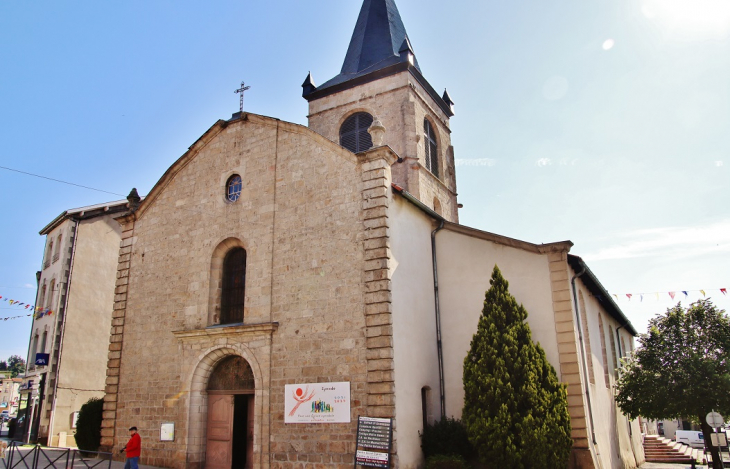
<point x="515" y="410"/>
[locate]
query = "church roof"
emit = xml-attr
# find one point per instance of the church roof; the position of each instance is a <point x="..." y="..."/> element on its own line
<point x="377" y="41"/>
<point x="379" y="47"/>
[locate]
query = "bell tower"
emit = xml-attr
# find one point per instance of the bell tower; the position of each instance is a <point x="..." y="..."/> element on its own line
<point x="381" y="81"/>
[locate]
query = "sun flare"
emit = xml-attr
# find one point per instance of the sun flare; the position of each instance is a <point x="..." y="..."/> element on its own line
<point x="693" y="17"/>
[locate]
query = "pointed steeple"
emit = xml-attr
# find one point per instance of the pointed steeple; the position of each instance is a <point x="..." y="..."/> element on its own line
<point x="377" y="38"/>
<point x="308" y="86"/>
<point x="447" y="100"/>
<point x="378" y="42"/>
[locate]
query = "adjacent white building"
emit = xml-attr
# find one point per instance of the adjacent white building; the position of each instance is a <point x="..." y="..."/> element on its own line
<point x="70" y="331"/>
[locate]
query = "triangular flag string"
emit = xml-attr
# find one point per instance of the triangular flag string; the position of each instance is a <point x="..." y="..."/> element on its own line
<point x="672" y="294"/>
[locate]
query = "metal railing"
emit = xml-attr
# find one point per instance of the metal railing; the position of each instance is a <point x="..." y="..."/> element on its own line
<point x="41" y="457"/>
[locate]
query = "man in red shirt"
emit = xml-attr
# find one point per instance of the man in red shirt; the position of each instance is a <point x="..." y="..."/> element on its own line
<point x="133" y="449"/>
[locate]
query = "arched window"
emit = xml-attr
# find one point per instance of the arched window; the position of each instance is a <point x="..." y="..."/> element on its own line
<point x="603" y="350"/>
<point x="233" y="188"/>
<point x="42" y="298"/>
<point x="437" y="206"/>
<point x="354" y="132"/>
<point x="50" y="293"/>
<point x="57" y="254"/>
<point x="234" y="286"/>
<point x="432" y="155"/>
<point x="586" y="337"/>
<point x="34" y="349"/>
<point x="426" y="405"/>
<point x="613" y="352"/>
<point x="49" y="253"/>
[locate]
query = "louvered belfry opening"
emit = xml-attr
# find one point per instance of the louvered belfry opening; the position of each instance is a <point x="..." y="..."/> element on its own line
<point x="234" y="286"/>
<point x="432" y="161"/>
<point x="354" y="132"/>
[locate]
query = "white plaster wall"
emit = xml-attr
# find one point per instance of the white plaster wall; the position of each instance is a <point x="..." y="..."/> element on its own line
<point x="618" y="440"/>
<point x="414" y="326"/>
<point x="82" y="369"/>
<point x="465" y="268"/>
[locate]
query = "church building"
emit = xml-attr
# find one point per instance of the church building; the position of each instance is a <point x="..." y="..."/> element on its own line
<point x="281" y="281"/>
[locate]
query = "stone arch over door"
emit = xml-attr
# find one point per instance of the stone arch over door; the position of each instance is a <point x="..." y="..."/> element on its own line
<point x="198" y="402"/>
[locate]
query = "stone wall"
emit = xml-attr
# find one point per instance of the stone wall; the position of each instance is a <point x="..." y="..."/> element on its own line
<point x="312" y="221"/>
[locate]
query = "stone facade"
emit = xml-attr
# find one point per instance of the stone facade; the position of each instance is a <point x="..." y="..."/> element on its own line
<point x="402" y="104"/>
<point x="317" y="292"/>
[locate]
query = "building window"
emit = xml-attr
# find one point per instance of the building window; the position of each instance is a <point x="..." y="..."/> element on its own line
<point x="44" y="339"/>
<point x="613" y="351"/>
<point x="426" y="406"/>
<point x="42" y="298"/>
<point x="437" y="206"/>
<point x="354" y="132"/>
<point x="57" y="254"/>
<point x="49" y="253"/>
<point x="50" y="293"/>
<point x="233" y="188"/>
<point x="234" y="286"/>
<point x="586" y="338"/>
<point x="432" y="155"/>
<point x="603" y="350"/>
<point x="33" y="350"/>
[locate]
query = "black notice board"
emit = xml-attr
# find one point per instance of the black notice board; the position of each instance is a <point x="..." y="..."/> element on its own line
<point x="375" y="437"/>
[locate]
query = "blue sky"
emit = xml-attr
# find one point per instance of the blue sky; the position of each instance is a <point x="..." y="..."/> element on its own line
<point x="605" y="123"/>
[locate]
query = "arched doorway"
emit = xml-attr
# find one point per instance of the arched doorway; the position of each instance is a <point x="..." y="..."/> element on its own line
<point x="230" y="432"/>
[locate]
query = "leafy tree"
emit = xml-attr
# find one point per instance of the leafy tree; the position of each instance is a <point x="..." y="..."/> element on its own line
<point x="3" y="365"/>
<point x="681" y="369"/>
<point x="88" y="425"/>
<point x="515" y="410"/>
<point x="16" y="365"/>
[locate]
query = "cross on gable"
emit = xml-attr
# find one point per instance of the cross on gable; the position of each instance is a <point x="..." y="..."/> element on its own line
<point x="240" y="91"/>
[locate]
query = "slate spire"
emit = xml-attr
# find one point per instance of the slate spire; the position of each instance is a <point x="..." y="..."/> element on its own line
<point x="377" y="39"/>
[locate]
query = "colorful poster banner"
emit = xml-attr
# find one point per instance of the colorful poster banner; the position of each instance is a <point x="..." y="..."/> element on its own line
<point x="317" y="403"/>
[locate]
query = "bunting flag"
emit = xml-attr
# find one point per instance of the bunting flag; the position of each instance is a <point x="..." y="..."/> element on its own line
<point x="16" y="317"/>
<point x="672" y="294"/>
<point x="19" y="303"/>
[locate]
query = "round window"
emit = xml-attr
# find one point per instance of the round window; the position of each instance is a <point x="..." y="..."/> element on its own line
<point x="233" y="188"/>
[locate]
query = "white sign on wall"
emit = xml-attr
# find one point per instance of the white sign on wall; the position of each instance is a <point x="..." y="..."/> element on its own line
<point x="317" y="403"/>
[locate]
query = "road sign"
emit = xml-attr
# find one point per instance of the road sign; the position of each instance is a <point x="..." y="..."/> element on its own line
<point x="714" y="419"/>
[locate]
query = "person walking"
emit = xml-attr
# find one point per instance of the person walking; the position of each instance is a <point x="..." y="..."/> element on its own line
<point x="133" y="449"/>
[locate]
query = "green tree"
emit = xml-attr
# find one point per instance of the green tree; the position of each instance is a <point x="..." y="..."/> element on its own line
<point x="681" y="369"/>
<point x="88" y="425"/>
<point x="515" y="409"/>
<point x="16" y="365"/>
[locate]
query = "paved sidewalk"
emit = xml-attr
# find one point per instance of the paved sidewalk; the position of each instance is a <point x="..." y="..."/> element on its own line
<point x="658" y="465"/>
<point x="77" y="465"/>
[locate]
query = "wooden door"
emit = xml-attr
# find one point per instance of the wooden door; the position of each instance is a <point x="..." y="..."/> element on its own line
<point x="249" y="432"/>
<point x="219" y="447"/>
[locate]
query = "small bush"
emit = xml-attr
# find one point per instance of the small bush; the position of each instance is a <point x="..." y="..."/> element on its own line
<point x="447" y="437"/>
<point x="442" y="461"/>
<point x="88" y="426"/>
